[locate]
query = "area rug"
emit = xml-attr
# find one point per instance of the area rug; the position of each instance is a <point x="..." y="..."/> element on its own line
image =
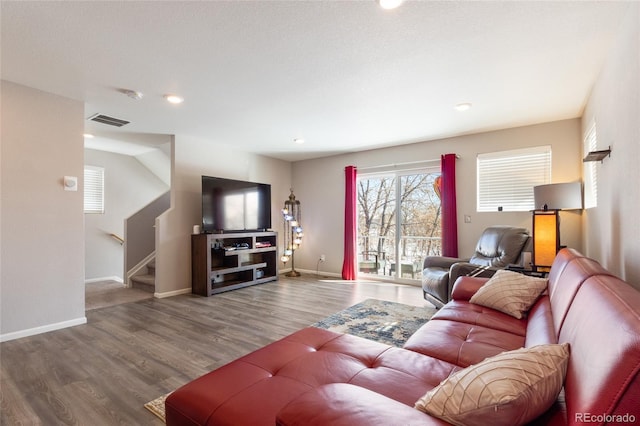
<point x="157" y="406"/>
<point x="386" y="322"/>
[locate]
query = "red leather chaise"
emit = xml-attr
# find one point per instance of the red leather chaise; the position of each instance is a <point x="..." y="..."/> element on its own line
<point x="317" y="377"/>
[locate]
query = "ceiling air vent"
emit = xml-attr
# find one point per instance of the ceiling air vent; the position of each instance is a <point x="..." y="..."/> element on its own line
<point x="111" y="121"/>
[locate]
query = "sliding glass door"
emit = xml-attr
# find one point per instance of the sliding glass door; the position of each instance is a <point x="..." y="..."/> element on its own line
<point x="398" y="222"/>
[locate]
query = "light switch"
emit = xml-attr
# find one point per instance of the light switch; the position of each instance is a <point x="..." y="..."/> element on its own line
<point x="70" y="183"/>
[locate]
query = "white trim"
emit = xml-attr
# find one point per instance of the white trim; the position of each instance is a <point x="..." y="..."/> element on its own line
<point x="139" y="266"/>
<point x="172" y="293"/>
<point x="42" y="329"/>
<point x="97" y="280"/>
<point x="318" y="273"/>
<point x="400" y="167"/>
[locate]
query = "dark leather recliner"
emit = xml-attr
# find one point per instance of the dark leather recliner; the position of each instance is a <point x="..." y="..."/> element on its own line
<point x="497" y="247"/>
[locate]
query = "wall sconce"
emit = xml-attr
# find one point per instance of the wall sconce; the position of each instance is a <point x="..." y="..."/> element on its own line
<point x="550" y="199"/>
<point x="291" y="213"/>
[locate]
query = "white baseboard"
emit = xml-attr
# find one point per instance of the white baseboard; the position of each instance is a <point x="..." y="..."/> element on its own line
<point x="97" y="280"/>
<point x="172" y="293"/>
<point x="318" y="273"/>
<point x="42" y="329"/>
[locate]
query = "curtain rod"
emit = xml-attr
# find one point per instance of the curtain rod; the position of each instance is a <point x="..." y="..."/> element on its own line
<point x="408" y="163"/>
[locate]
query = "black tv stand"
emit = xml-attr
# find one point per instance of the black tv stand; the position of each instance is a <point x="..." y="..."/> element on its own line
<point x="223" y="262"/>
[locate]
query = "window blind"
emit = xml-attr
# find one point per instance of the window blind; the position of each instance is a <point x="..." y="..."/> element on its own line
<point x="590" y="170"/>
<point x="93" y="189"/>
<point x="506" y="179"/>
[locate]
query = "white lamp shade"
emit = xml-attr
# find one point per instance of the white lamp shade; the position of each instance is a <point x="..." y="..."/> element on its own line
<point x="558" y="196"/>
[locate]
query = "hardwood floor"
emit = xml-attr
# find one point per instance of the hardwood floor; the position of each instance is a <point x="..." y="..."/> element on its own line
<point x="109" y="293"/>
<point x="103" y="372"/>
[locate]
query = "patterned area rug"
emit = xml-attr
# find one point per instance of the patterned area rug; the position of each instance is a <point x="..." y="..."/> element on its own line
<point x="157" y="406"/>
<point x="386" y="322"/>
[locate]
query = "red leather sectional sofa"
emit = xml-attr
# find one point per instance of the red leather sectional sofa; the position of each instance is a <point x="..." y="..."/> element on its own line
<point x="317" y="377"/>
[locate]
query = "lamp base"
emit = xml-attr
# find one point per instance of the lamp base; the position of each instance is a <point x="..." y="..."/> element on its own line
<point x="292" y="273"/>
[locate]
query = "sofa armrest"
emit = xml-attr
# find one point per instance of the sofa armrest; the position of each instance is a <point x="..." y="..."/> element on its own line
<point x="441" y="261"/>
<point x="465" y="287"/>
<point x="342" y="404"/>
<point x="461" y="269"/>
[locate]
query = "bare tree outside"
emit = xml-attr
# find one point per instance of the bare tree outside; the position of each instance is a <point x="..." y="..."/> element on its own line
<point x="420" y="233"/>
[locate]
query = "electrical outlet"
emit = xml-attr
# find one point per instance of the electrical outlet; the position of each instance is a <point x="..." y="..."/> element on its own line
<point x="323" y="258"/>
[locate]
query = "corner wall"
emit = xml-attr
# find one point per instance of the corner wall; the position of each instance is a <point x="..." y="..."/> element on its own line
<point x="42" y="246"/>
<point x="612" y="229"/>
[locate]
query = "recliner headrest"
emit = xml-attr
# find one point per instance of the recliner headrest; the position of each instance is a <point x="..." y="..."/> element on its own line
<point x="499" y="246"/>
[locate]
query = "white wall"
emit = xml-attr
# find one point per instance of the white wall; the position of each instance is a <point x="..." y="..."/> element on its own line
<point x="42" y="246"/>
<point x="319" y="185"/>
<point x="129" y="186"/>
<point x="192" y="159"/>
<point x="612" y="229"/>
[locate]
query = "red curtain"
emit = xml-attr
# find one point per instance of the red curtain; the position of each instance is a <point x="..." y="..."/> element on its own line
<point x="349" y="262"/>
<point x="449" y="210"/>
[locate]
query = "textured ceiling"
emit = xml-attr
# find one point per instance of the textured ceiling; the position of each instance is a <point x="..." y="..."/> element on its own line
<point x="343" y="75"/>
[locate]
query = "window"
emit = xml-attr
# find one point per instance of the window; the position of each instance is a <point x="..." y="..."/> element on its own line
<point x="93" y="189"/>
<point x="590" y="143"/>
<point x="398" y="222"/>
<point x="506" y="179"/>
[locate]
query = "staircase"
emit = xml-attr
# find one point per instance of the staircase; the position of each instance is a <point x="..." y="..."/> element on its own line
<point x="146" y="282"/>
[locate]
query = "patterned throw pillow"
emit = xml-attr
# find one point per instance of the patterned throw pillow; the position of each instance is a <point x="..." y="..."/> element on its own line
<point x="511" y="388"/>
<point x="510" y="292"/>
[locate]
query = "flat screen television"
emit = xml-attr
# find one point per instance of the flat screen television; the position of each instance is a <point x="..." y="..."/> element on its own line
<point x="234" y="206"/>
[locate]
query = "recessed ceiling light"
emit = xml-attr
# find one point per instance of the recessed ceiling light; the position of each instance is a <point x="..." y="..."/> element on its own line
<point x="299" y="141"/>
<point x="174" y="99"/>
<point x="463" y="106"/>
<point x="88" y="136"/>
<point x="390" y="4"/>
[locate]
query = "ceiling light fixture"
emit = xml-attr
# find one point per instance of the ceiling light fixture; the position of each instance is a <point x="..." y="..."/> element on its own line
<point x="87" y="136"/>
<point x="463" y="106"/>
<point x="390" y="4"/>
<point x="174" y="99"/>
<point x="299" y="141"/>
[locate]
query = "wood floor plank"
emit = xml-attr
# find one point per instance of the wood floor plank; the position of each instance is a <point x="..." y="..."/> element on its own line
<point x="103" y="372"/>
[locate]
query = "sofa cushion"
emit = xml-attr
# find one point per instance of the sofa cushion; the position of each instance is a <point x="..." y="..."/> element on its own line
<point x="253" y="388"/>
<point x="603" y="327"/>
<point x="540" y="324"/>
<point x="460" y="343"/>
<point x="510" y="292"/>
<point x="563" y="286"/>
<point x="403" y="375"/>
<point x="342" y="404"/>
<point x="512" y="388"/>
<point x="470" y="313"/>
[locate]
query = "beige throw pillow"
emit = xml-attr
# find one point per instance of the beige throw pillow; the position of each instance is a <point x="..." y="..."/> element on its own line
<point x="511" y="388"/>
<point x="510" y="292"/>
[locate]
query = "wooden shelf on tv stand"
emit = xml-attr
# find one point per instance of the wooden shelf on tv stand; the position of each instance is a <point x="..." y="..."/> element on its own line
<point x="224" y="262"/>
